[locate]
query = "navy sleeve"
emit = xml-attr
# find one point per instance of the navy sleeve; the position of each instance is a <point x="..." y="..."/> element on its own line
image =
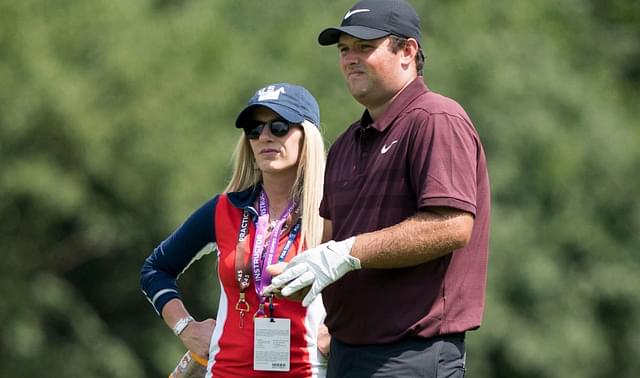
<point x="170" y="258"/>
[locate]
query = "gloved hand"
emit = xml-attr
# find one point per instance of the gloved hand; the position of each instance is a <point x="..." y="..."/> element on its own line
<point x="318" y="267"/>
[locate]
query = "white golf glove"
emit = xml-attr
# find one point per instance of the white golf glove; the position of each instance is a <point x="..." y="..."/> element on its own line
<point x="318" y="267"/>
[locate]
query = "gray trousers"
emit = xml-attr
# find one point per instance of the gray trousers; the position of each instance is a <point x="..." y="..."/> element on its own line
<point x="437" y="357"/>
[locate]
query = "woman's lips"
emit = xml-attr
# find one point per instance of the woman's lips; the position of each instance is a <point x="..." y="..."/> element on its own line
<point x="268" y="151"/>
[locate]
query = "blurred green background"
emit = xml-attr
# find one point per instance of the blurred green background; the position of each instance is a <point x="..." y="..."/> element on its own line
<point x="116" y="121"/>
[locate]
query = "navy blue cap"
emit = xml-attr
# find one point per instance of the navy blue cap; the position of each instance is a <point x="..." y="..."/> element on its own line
<point x="292" y="102"/>
<point x="373" y="19"/>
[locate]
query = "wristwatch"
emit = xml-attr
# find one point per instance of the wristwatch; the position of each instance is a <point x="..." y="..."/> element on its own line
<point x="181" y="324"/>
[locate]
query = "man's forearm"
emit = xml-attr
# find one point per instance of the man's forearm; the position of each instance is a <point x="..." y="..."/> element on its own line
<point x="418" y="239"/>
<point x="424" y="237"/>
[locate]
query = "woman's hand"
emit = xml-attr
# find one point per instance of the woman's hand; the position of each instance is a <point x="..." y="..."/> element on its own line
<point x="197" y="336"/>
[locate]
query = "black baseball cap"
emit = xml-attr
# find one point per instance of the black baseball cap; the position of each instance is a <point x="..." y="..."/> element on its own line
<point x="373" y="19"/>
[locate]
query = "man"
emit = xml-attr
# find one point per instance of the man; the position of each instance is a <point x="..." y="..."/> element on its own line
<point x="407" y="197"/>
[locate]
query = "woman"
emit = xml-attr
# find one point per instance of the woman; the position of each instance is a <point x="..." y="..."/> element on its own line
<point x="267" y="214"/>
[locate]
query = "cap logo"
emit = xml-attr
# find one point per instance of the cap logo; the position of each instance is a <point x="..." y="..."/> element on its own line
<point x="352" y="12"/>
<point x="270" y="93"/>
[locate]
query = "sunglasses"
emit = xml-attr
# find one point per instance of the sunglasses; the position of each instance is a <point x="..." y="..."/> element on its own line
<point x="278" y="128"/>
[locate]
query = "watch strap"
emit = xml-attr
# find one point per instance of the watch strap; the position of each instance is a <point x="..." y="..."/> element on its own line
<point x="181" y="324"/>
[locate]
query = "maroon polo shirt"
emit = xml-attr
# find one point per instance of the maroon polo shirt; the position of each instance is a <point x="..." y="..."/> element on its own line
<point x="423" y="151"/>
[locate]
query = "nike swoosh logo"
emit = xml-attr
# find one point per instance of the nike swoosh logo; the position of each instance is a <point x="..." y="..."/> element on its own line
<point x="351" y="13"/>
<point x="386" y="148"/>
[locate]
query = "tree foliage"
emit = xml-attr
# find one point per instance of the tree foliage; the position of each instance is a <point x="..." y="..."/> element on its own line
<point x="116" y="121"/>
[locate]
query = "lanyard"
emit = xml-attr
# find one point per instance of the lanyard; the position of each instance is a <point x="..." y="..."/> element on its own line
<point x="262" y="258"/>
<point x="261" y="255"/>
<point x="243" y="275"/>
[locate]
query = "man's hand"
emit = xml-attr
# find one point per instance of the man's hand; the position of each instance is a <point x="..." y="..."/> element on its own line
<point x="298" y="296"/>
<point x="324" y="341"/>
<point x="317" y="267"/>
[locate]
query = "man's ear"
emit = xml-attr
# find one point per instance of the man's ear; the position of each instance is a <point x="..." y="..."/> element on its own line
<point x="409" y="51"/>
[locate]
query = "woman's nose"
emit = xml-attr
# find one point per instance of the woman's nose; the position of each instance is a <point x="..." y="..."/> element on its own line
<point x="266" y="132"/>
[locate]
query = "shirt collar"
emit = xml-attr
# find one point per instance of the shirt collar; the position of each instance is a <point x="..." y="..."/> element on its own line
<point x="246" y="198"/>
<point x="404" y="99"/>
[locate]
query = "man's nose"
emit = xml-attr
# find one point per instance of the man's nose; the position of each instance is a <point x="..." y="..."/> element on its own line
<point x="350" y="58"/>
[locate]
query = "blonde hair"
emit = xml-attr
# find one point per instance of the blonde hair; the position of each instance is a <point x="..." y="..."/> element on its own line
<point x="307" y="189"/>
